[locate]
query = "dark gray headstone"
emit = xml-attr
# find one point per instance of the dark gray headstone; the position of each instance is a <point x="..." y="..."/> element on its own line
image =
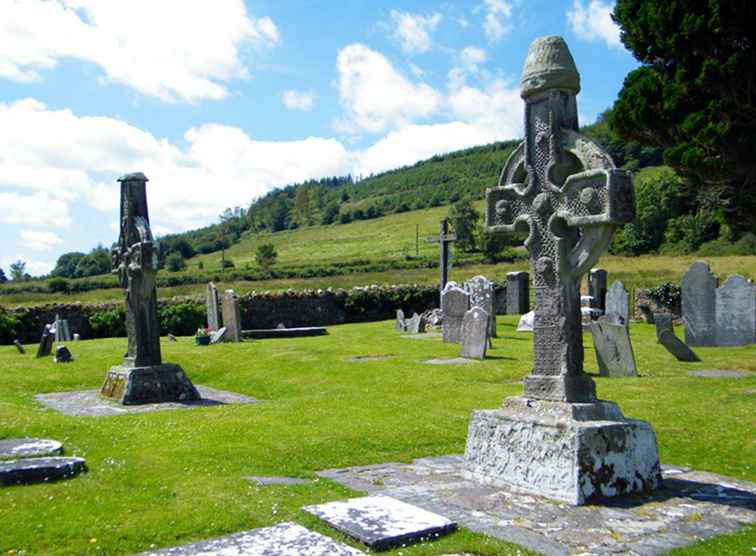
<point x="677" y="347"/>
<point x="416" y="324"/>
<point x="15" y="448"/>
<point x="454" y="304"/>
<point x="382" y="522"/>
<point x="283" y="539"/>
<point x="218" y="336"/>
<point x="39" y="470"/>
<point x="699" y="287"/>
<point x="172" y="338"/>
<point x="736" y="312"/>
<point x="63" y="355"/>
<point x="280" y="326"/>
<point x="232" y="316"/>
<point x="614" y="352"/>
<point x="597" y="280"/>
<point x="401" y="323"/>
<point x="45" y="342"/>
<point x="211" y="304"/>
<point x="518" y="293"/>
<point x="617" y="304"/>
<point x="19" y="346"/>
<point x="500" y="300"/>
<point x="474" y="339"/>
<point x="481" y="293"/>
<point x="663" y="321"/>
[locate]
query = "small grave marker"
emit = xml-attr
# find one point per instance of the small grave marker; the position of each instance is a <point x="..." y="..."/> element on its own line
<point x="63" y="355"/>
<point x="454" y="304"/>
<point x="614" y="352"/>
<point x="19" y="346"/>
<point x="474" y="338"/>
<point x="232" y="316"/>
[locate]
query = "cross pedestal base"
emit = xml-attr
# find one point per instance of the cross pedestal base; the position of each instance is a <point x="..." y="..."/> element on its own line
<point x="154" y="384"/>
<point x="561" y="388"/>
<point x="573" y="452"/>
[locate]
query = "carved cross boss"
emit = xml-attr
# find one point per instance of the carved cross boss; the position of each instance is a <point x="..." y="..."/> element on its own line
<point x="565" y="191"/>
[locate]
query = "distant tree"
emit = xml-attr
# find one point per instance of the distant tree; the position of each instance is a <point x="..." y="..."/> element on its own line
<point x="175" y="262"/>
<point x="96" y="262"/>
<point x="18" y="271"/>
<point x="66" y="264"/>
<point x="330" y="213"/>
<point x="464" y="220"/>
<point x="302" y="206"/>
<point x="3" y="278"/>
<point x="266" y="255"/>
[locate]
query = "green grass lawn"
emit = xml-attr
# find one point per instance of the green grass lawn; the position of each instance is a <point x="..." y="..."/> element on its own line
<point x="172" y="477"/>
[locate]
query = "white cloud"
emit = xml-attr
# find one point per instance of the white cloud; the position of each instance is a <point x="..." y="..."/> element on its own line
<point x="375" y="96"/>
<point x="33" y="267"/>
<point x="171" y="49"/>
<point x="472" y="56"/>
<point x="38" y="209"/>
<point x="593" y="22"/>
<point x="39" y="241"/>
<point x="295" y="100"/>
<point x="496" y="22"/>
<point x="413" y="30"/>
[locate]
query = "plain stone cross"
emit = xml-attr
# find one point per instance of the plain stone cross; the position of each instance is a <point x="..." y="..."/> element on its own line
<point x="565" y="190"/>
<point x="444" y="239"/>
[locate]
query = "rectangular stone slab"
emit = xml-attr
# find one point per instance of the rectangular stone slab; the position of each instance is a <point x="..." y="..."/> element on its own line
<point x="381" y="521"/>
<point x="677" y="347"/>
<point x="614" y="351"/>
<point x="284" y="539"/>
<point x="301" y="332"/>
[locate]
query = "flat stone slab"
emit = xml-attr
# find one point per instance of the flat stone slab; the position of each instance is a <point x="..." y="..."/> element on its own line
<point x="368" y="358"/>
<point x="382" y="522"/>
<point x="14" y="448"/>
<point x="718" y="373"/>
<point x="451" y="361"/>
<point x="89" y="403"/>
<point x="272" y="480"/>
<point x="690" y="507"/>
<point x="424" y="336"/>
<point x="284" y="539"/>
<point x="39" y="470"/>
<point x="266" y="333"/>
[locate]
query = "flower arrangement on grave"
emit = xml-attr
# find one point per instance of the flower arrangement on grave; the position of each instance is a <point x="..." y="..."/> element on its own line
<point x="202" y="336"/>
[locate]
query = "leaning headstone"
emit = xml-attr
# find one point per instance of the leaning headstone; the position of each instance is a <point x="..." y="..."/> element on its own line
<point x="416" y="324"/>
<point x="172" y="338"/>
<point x="454" y="304"/>
<point x="63" y="355"/>
<point x="46" y="342"/>
<point x="597" y="287"/>
<point x="736" y="312"/>
<point x="211" y="305"/>
<point x="219" y="335"/>
<point x="232" y="316"/>
<point x="475" y="334"/>
<point x="518" y="293"/>
<point x="617" y="308"/>
<point x="614" y="352"/>
<point x="663" y="321"/>
<point x="142" y="377"/>
<point x="481" y="293"/>
<point x="19" y="346"/>
<point x="39" y="470"/>
<point x="699" y="302"/>
<point x="558" y="440"/>
<point x="677" y="347"/>
<point x="401" y="323"/>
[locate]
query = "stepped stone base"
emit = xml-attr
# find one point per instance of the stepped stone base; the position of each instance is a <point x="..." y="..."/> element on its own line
<point x="155" y="384"/>
<point x="573" y="452"/>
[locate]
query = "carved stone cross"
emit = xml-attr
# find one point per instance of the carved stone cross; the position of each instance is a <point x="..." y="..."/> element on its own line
<point x="444" y="239"/>
<point x="566" y="192"/>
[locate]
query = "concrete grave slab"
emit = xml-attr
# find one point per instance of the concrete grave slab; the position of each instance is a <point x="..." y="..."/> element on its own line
<point x="284" y="539"/>
<point x="368" y="358"/>
<point x="718" y="373"/>
<point x="14" y="448"/>
<point x="451" y="361"/>
<point x="689" y="507"/>
<point x="39" y="470"/>
<point x="677" y="347"/>
<point x="272" y="480"/>
<point x="382" y="522"/>
<point x="88" y="403"/>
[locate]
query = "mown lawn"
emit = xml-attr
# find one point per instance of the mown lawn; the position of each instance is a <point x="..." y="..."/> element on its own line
<point x="172" y="477"/>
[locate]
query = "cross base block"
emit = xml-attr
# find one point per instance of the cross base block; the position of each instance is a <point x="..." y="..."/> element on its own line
<point x="561" y="388"/>
<point x="154" y="384"/>
<point x="573" y="452"/>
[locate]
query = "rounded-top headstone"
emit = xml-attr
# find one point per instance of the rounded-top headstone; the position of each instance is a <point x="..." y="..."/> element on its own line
<point x="549" y="65"/>
<point x="13" y="448"/>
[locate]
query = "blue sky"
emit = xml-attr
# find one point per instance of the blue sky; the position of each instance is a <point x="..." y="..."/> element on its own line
<point x="220" y="101"/>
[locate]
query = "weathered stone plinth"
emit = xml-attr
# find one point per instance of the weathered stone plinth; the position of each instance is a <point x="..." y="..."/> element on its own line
<point x="154" y="384"/>
<point x="573" y="452"/>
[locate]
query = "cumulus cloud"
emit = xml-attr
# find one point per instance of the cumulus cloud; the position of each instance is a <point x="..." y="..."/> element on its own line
<point x="172" y="49"/>
<point x="413" y="30"/>
<point x="496" y="22"/>
<point x="472" y="56"/>
<point x="592" y="21"/>
<point x="38" y="240"/>
<point x="37" y="209"/>
<point x="294" y="100"/>
<point x="33" y="267"/>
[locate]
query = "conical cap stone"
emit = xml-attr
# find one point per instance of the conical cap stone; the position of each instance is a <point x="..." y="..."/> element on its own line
<point x="549" y="65"/>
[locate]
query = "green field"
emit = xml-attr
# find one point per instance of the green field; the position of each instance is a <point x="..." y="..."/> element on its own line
<point x="171" y="477"/>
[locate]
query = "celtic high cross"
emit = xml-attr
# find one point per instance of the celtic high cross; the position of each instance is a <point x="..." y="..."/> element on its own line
<point x="566" y="192"/>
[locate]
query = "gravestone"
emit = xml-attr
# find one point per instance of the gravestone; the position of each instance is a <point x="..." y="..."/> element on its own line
<point x="558" y="440"/>
<point x="416" y="324"/>
<point x="401" y="323"/>
<point x="618" y="304"/>
<point x="525" y="324"/>
<point x="454" y="304"/>
<point x="614" y="352"/>
<point x="518" y="293"/>
<point x="63" y="355"/>
<point x="699" y="301"/>
<point x="39" y="470"/>
<point x="677" y="347"/>
<point x="232" y="316"/>
<point x="444" y="239"/>
<point x="19" y="346"/>
<point x="500" y="300"/>
<point x="663" y="321"/>
<point x="142" y="377"/>
<point x="15" y="448"/>
<point x="736" y="312"/>
<point x="172" y="338"/>
<point x="76" y="337"/>
<point x="597" y="280"/>
<point x="46" y="342"/>
<point x="481" y="293"/>
<point x="218" y="335"/>
<point x="474" y="337"/>
<point x="211" y="305"/>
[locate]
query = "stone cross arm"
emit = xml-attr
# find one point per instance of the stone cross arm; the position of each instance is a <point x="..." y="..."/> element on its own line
<point x="445" y="238"/>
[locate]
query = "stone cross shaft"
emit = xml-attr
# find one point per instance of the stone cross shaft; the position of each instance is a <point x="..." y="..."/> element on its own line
<point x="564" y="190"/>
<point x="444" y="239"/>
<point x="136" y="263"/>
